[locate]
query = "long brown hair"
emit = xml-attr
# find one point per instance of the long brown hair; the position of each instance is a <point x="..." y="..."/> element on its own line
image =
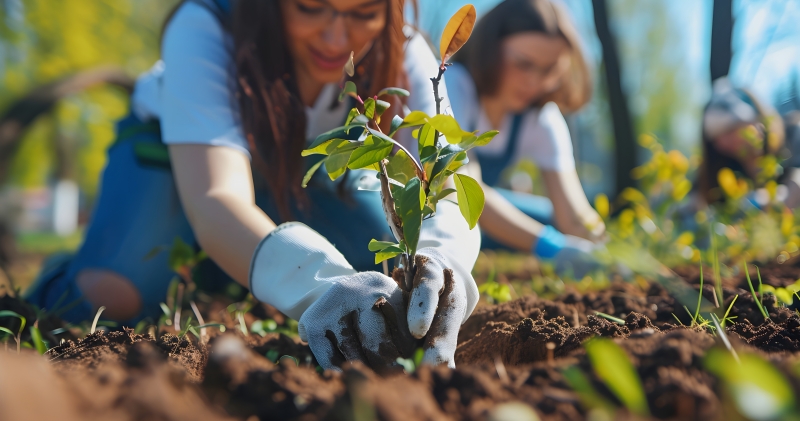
<point x="482" y="56"/>
<point x="272" y="115"/>
<point x="713" y="161"/>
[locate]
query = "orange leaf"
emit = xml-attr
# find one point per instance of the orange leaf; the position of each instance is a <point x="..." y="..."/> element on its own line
<point x="457" y="31"/>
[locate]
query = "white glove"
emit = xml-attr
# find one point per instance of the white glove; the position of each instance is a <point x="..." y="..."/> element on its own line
<point x="444" y="292"/>
<point x="342" y="314"/>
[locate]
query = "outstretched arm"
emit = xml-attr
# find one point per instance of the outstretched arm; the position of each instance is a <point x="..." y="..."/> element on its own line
<point x="572" y="212"/>
<point x="215" y="185"/>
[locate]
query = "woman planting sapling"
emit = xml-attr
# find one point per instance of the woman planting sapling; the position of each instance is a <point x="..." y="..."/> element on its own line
<point x="248" y="84"/>
<point x="522" y="69"/>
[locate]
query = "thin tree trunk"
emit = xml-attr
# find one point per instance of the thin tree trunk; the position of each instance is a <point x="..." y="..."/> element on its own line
<point x="721" y="38"/>
<point x="626" y="148"/>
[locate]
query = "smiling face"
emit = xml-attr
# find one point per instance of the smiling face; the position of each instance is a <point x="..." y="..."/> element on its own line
<point x="322" y="33"/>
<point x="533" y="64"/>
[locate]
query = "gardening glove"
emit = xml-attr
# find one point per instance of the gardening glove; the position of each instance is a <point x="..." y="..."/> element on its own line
<point x="570" y="254"/>
<point x="444" y="292"/>
<point x="342" y="314"/>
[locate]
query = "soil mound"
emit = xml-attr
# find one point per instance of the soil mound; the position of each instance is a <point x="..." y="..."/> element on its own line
<point x="509" y="355"/>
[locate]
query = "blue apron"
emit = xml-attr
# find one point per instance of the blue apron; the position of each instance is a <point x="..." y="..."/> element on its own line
<point x="492" y="167"/>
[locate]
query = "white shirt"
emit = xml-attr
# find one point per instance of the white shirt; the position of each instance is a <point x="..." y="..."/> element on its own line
<point x="543" y="134"/>
<point x="191" y="89"/>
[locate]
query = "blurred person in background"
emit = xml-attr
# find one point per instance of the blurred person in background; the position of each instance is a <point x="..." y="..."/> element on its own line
<point x="746" y="135"/>
<point x="246" y="84"/>
<point x="522" y="68"/>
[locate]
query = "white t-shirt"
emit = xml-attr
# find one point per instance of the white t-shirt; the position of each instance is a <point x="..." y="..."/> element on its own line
<point x="191" y="89"/>
<point x="543" y="134"/>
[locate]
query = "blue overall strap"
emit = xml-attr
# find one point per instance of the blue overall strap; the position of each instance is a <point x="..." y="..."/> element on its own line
<point x="220" y="8"/>
<point x="492" y="166"/>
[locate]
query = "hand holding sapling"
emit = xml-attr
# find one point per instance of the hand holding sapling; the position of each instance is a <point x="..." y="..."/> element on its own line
<point x="411" y="192"/>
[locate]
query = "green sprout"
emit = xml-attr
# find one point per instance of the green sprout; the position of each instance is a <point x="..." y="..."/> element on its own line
<point x="616" y="320"/>
<point x="410" y="189"/>
<point x="757" y="388"/>
<point x="613" y="367"/>
<point x="36" y="338"/>
<point x="753" y="291"/>
<point x="17" y="336"/>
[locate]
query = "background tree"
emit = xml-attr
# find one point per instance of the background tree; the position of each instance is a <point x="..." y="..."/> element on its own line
<point x="721" y="38"/>
<point x="625" y="151"/>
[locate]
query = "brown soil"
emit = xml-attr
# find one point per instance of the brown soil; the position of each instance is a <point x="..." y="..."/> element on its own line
<point x="509" y="353"/>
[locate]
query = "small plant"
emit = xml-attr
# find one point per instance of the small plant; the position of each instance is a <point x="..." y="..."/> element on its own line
<point x="757" y="389"/>
<point x="753" y="291"/>
<point x="606" y="316"/>
<point x="410" y="189"/>
<point x="17" y="336"/>
<point x="613" y="367"/>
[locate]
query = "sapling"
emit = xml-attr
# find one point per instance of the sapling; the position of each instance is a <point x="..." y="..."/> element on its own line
<point x="410" y="188"/>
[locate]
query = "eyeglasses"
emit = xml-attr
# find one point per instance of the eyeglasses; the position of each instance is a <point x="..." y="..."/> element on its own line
<point x="527" y="66"/>
<point x="317" y="13"/>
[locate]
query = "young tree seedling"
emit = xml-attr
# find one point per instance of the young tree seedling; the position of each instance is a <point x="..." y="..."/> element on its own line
<point x="410" y="188"/>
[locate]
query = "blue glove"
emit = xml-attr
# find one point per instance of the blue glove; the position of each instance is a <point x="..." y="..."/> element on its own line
<point x="570" y="254"/>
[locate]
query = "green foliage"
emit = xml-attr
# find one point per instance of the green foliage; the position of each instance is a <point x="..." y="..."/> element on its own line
<point x="51" y="40"/>
<point x="590" y="398"/>
<point x="38" y="342"/>
<point x="411" y="188"/>
<point x="470" y="198"/>
<point x="613" y="367"/>
<point x="757" y="388"/>
<point x="753" y="292"/>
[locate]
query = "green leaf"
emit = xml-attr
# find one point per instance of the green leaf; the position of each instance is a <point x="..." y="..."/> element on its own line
<point x="448" y="126"/>
<point x="426" y="140"/>
<point x="351" y="115"/>
<point x="414" y="118"/>
<point x="369" y="108"/>
<point x="394" y="91"/>
<point x="22" y="319"/>
<point x="445" y="158"/>
<point x="349" y="132"/>
<point x="382" y="136"/>
<point x="470" y="198"/>
<point x="410" y="202"/>
<point x="311" y="171"/>
<point x="321" y="149"/>
<point x="396" y="122"/>
<point x="380" y="107"/>
<point x="372" y="151"/>
<point x="336" y="163"/>
<point x="615" y="369"/>
<point x="442" y="194"/>
<point x="388" y="253"/>
<point x="38" y="342"/>
<point x="375" y="245"/>
<point x="590" y="398"/>
<point x="361" y="119"/>
<point x="165" y="309"/>
<point x="349" y="89"/>
<point x="180" y="255"/>
<point x="485" y="138"/>
<point x="400" y="168"/>
<point x="5" y="330"/>
<point x="752" y="375"/>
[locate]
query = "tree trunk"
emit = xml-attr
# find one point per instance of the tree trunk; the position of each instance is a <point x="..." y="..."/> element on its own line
<point x="721" y="36"/>
<point x="626" y="148"/>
